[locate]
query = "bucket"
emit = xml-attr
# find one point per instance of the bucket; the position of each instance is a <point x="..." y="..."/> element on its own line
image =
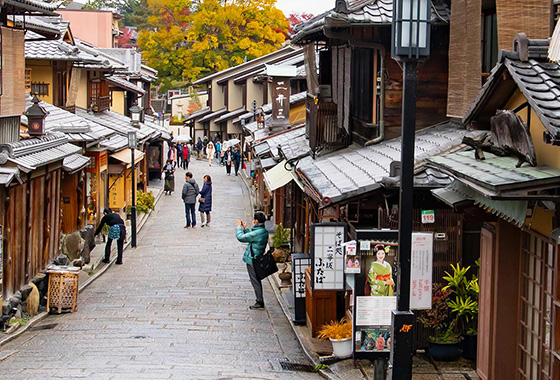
<point x="342" y="348"/>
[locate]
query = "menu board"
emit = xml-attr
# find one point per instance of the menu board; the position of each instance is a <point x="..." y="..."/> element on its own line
<point x="374" y="311"/>
<point x="328" y="256"/>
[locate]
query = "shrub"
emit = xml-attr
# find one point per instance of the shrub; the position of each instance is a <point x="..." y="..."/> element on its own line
<point x="336" y="330"/>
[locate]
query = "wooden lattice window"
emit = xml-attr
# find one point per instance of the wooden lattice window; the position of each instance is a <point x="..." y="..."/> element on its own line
<point x="27" y="80"/>
<point x="40" y="88"/>
<point x="538" y="272"/>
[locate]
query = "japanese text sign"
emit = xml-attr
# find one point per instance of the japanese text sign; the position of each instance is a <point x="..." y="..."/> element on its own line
<point x="328" y="256"/>
<point x="421" y="271"/>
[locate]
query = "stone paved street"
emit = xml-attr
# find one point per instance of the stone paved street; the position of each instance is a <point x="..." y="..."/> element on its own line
<point x="176" y="309"/>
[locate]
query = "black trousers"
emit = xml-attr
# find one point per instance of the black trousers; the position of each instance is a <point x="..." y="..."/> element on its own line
<point x="120" y="245"/>
<point x="236" y="164"/>
<point x="257" y="284"/>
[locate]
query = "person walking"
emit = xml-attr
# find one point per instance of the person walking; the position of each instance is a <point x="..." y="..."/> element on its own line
<point x="198" y="148"/>
<point x="218" y="151"/>
<point x="186" y="157"/>
<point x="228" y="158"/>
<point x="205" y="201"/>
<point x="179" y="155"/>
<point x="169" y="172"/>
<point x="210" y="152"/>
<point x="172" y="155"/>
<point x="204" y="144"/>
<point x="189" y="194"/>
<point x="236" y="159"/>
<point x="117" y="231"/>
<point x="257" y="239"/>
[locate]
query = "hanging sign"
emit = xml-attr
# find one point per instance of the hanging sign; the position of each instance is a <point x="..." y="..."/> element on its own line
<point x="365" y="245"/>
<point x="353" y="263"/>
<point x="421" y="270"/>
<point x="328" y="256"/>
<point x="428" y="216"/>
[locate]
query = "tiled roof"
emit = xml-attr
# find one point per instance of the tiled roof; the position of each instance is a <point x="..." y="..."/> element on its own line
<point x="296" y="148"/>
<point x="123" y="83"/>
<point x="213" y="115"/>
<point x="34" y="5"/>
<point x="152" y="122"/>
<point x="36" y="152"/>
<point x="291" y="60"/>
<point x="74" y="163"/>
<point x="357" y="170"/>
<point x="117" y="122"/>
<point x="76" y="128"/>
<point x="198" y="114"/>
<point x="538" y="80"/>
<point x="55" y="50"/>
<point x="362" y="12"/>
<point x="37" y="25"/>
<point x="8" y="174"/>
<point x="495" y="175"/>
<point x="231" y="115"/>
<point x="107" y="61"/>
<point x="115" y="142"/>
<point x="271" y="144"/>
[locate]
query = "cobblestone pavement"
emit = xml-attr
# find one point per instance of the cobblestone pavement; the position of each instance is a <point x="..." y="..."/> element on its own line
<point x="176" y="309"/>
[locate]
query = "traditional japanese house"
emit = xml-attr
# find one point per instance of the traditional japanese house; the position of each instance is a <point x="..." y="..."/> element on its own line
<point x="511" y="181"/>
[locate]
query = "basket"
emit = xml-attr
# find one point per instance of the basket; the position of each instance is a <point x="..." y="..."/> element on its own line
<point x="62" y="294"/>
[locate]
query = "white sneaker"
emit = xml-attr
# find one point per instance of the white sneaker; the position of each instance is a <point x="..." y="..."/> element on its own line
<point x="202" y="225"/>
<point x="207" y="224"/>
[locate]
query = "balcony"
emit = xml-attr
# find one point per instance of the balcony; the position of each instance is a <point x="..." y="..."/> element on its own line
<point x="322" y="126"/>
<point x="101" y="103"/>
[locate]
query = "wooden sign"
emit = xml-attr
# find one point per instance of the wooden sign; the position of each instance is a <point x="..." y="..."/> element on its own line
<point x="328" y="255"/>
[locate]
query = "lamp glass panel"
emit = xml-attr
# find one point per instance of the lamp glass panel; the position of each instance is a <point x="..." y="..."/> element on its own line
<point x="415" y="17"/>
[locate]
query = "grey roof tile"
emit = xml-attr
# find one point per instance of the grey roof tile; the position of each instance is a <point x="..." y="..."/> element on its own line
<point x="75" y="162"/>
<point x="357" y="170"/>
<point x="118" y="123"/>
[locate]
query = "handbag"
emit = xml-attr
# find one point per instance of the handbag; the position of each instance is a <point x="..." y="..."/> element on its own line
<point x="201" y="200"/>
<point x="264" y="264"/>
<point x="114" y="232"/>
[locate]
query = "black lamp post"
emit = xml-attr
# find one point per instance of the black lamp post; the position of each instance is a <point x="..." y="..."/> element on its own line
<point x="135" y="115"/>
<point x="132" y="143"/>
<point x="410" y="43"/>
<point x="242" y="144"/>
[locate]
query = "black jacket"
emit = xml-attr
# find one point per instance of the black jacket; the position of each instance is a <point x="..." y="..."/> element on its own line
<point x="110" y="220"/>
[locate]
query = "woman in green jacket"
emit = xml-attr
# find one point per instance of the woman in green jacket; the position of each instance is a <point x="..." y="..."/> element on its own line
<point x="257" y="239"/>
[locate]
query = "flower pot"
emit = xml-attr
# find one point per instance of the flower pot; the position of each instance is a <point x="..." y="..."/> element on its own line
<point x="342" y="348"/>
<point x="469" y="346"/>
<point x="286" y="277"/>
<point x="445" y="352"/>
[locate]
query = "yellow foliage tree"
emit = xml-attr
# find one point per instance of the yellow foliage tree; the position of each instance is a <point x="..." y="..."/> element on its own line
<point x="189" y="39"/>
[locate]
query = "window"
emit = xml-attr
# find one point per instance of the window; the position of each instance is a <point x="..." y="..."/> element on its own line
<point x="365" y="98"/>
<point x="489" y="43"/>
<point x="40" y="88"/>
<point x="538" y="272"/>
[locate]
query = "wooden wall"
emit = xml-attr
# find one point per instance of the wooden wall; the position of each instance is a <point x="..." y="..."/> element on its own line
<point x="31" y="228"/>
<point x="72" y="203"/>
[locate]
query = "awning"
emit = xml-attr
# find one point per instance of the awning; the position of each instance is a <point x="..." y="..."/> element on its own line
<point x="124" y="156"/>
<point x="279" y="176"/>
<point x="456" y="193"/>
<point x="200" y="113"/>
<point x="213" y="115"/>
<point x="8" y="174"/>
<point x="230" y="115"/>
<point x="124" y="84"/>
<point x="75" y="162"/>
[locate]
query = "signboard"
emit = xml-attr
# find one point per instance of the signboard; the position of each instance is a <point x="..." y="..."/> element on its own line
<point x="300" y="263"/>
<point x="353" y="263"/>
<point x="1" y="249"/>
<point x="328" y="256"/>
<point x="428" y="216"/>
<point x="421" y="270"/>
<point x="281" y="101"/>
<point x="374" y="311"/>
<point x="365" y="245"/>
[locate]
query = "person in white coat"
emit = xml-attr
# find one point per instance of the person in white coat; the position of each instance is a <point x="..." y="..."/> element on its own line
<point x="210" y="152"/>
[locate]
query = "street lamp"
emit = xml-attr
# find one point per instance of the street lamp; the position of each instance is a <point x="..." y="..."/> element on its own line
<point x="135" y="115"/>
<point x="36" y="115"/>
<point x="410" y="43"/>
<point x="132" y="144"/>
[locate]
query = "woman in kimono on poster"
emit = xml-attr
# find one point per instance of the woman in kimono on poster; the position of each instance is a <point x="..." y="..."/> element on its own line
<point x="380" y="275"/>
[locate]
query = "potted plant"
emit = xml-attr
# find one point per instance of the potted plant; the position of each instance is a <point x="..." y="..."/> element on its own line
<point x="445" y="344"/>
<point x="280" y="243"/>
<point x="463" y="304"/>
<point x="340" y="334"/>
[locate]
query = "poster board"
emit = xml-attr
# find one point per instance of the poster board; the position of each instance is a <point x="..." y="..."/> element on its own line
<point x="328" y="256"/>
<point x="421" y="266"/>
<point x="374" y="293"/>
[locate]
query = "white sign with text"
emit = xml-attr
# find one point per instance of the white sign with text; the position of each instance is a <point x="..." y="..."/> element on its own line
<point x="421" y="271"/>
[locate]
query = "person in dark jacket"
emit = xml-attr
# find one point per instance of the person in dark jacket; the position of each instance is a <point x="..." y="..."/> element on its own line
<point x="169" y="181"/>
<point x="205" y="201"/>
<point x="179" y="155"/>
<point x="117" y="231"/>
<point x="257" y="239"/>
<point x="228" y="158"/>
<point x="198" y="148"/>
<point x="189" y="194"/>
<point x="236" y="159"/>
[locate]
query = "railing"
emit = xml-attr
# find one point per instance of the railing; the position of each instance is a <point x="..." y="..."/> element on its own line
<point x="322" y="126"/>
<point x="101" y="103"/>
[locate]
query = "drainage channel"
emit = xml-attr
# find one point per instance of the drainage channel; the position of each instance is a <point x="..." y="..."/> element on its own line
<point x="295" y="367"/>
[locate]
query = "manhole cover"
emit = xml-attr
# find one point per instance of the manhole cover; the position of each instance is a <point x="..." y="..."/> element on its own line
<point x="44" y="327"/>
<point x="287" y="366"/>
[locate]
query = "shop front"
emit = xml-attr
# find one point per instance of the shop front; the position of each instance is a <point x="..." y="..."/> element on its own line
<point x="96" y="185"/>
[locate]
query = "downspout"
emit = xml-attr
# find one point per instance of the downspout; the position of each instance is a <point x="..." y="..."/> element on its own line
<point x="367" y="45"/>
